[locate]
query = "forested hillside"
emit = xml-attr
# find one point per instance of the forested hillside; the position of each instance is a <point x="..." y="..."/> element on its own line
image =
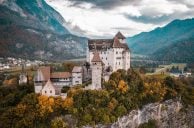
<point x="32" y="29"/>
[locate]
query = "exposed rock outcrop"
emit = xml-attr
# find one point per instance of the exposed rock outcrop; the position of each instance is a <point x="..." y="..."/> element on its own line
<point x="169" y="114"/>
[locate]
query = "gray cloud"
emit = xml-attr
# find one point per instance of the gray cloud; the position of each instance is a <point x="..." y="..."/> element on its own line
<point x="162" y="19"/>
<point x="106" y="4"/>
<point x="188" y="3"/>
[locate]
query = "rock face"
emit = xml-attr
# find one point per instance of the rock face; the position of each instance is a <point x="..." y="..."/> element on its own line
<point x="169" y="114"/>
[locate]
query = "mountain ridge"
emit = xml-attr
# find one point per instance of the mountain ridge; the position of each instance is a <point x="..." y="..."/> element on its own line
<point x="33" y="29"/>
<point x="149" y="42"/>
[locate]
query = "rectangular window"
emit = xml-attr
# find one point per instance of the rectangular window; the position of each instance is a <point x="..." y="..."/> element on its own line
<point x="45" y="91"/>
<point x="50" y="91"/>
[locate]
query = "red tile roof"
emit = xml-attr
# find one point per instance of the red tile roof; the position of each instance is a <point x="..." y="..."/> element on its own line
<point x="60" y="75"/>
<point x="46" y="72"/>
<point x="96" y="57"/>
<point x="119" y="35"/>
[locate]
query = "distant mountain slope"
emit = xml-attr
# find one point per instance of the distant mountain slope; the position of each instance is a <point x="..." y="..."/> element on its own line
<point x="34" y="13"/>
<point x="182" y="51"/>
<point x="149" y="42"/>
<point x="33" y="29"/>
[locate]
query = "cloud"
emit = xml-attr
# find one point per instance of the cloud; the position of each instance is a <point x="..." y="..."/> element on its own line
<point x="106" y="4"/>
<point x="103" y="18"/>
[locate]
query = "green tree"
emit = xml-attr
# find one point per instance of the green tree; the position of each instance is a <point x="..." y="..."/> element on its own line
<point x="58" y="122"/>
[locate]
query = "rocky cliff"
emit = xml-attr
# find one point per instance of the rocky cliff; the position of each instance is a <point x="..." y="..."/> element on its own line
<point x="169" y="114"/>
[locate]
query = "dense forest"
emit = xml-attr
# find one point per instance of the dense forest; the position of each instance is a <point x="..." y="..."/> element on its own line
<point x="181" y="51"/>
<point x="125" y="91"/>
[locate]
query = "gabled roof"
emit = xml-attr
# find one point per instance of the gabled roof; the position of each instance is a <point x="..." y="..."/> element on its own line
<point x="42" y="74"/>
<point x="117" y="44"/>
<point x="45" y="72"/>
<point x="119" y="35"/>
<point x="77" y="69"/>
<point x="96" y="57"/>
<point x="60" y="75"/>
<point x="49" y="85"/>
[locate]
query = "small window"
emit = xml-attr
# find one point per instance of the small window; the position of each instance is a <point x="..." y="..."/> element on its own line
<point x="116" y="52"/>
<point x="106" y="58"/>
<point x="50" y="91"/>
<point x="102" y="57"/>
<point x="45" y="91"/>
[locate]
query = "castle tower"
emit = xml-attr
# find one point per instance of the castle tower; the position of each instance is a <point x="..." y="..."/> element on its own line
<point x="96" y="71"/>
<point x="23" y="79"/>
<point x="121" y="38"/>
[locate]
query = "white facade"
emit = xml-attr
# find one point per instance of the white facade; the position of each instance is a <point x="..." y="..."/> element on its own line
<point x="76" y="78"/>
<point x="23" y="79"/>
<point x="113" y="53"/>
<point x="48" y="89"/>
<point x="77" y="75"/>
<point x="117" y="58"/>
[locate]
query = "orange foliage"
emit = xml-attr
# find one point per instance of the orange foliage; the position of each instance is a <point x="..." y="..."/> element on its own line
<point x="123" y="87"/>
<point x="46" y="105"/>
<point x="68" y="102"/>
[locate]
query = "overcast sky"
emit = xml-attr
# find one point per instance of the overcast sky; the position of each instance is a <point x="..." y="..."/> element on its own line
<point x="103" y="18"/>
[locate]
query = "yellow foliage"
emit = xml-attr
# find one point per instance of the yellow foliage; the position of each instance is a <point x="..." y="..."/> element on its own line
<point x="68" y="102"/>
<point x="155" y="87"/>
<point x="46" y="105"/>
<point x="123" y="87"/>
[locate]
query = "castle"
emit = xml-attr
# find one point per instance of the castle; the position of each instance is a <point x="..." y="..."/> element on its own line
<point x="104" y="56"/>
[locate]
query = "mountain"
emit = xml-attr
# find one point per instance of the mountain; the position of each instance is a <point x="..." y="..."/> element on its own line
<point x="148" y="43"/>
<point x="33" y="29"/>
<point x="181" y="51"/>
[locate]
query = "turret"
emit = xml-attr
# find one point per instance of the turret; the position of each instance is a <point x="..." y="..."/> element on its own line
<point x="121" y="37"/>
<point x="96" y="71"/>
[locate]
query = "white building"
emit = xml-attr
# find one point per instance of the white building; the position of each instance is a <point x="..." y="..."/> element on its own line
<point x="48" y="89"/>
<point x="60" y="80"/>
<point x="114" y="53"/>
<point x="43" y="80"/>
<point x="23" y="78"/>
<point x="77" y="75"/>
<point x="41" y="77"/>
<point x="104" y="57"/>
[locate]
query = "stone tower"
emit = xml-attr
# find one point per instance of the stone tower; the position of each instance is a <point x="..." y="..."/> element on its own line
<point x="96" y="71"/>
